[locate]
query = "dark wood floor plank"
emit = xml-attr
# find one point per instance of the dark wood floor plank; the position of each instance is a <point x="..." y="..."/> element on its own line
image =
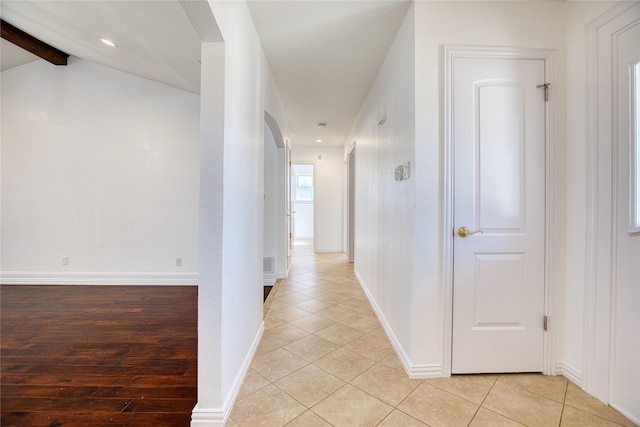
<point x="98" y="355"/>
<point x="60" y="419"/>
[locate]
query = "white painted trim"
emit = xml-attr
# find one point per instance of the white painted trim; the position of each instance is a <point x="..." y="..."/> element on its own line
<point x="633" y="419"/>
<point x="413" y="371"/>
<point x="569" y="372"/>
<point x="96" y="278"/>
<point x="218" y="417"/>
<point x="599" y="257"/>
<point x="449" y="53"/>
<point x="269" y="279"/>
<point x="324" y="250"/>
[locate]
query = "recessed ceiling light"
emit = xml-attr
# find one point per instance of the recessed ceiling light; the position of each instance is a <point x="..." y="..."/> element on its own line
<point x="318" y="140"/>
<point x="107" y="42"/>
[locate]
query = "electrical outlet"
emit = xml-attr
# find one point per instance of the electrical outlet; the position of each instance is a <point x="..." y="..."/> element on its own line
<point x="178" y="262"/>
<point x="65" y="260"/>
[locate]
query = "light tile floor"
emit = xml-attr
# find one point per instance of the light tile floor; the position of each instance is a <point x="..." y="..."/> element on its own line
<point x="324" y="360"/>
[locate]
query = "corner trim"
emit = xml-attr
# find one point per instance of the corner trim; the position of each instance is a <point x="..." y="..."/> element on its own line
<point x="571" y="373"/>
<point x="413" y="371"/>
<point x="218" y="417"/>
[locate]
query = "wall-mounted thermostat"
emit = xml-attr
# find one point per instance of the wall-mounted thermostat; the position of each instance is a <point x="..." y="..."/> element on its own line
<point x="399" y="173"/>
<point x="402" y="172"/>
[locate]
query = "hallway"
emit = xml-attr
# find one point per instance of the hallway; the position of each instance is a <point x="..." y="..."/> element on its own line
<point x="324" y="360"/>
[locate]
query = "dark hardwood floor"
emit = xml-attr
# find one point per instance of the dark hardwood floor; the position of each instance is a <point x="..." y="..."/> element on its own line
<point x="98" y="355"/>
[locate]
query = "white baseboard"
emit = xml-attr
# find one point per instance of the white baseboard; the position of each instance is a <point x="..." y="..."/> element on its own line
<point x="269" y="279"/>
<point x="633" y="419"/>
<point x="218" y="417"/>
<point x="413" y="371"/>
<point x="96" y="278"/>
<point x="571" y="373"/>
<point x="323" y="250"/>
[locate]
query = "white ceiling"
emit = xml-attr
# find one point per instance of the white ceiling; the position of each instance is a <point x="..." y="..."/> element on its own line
<point x="324" y="55"/>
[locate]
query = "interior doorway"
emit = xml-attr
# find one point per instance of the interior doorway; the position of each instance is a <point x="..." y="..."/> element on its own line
<point x="351" y="204"/>
<point x="303" y="195"/>
<point x="500" y="215"/>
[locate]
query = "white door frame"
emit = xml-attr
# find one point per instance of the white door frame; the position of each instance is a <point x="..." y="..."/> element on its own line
<point x="450" y="53"/>
<point x="602" y="211"/>
<point x="351" y="203"/>
<point x="315" y="204"/>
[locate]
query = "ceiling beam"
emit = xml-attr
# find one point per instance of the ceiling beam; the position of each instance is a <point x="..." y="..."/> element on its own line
<point x="32" y="44"/>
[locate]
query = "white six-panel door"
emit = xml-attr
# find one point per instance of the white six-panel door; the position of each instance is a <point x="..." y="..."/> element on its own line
<point x="498" y="135"/>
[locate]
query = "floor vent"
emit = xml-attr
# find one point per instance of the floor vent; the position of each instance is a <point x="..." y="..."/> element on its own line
<point x="267" y="264"/>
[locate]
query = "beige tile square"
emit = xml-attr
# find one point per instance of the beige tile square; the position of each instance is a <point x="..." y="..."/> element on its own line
<point x="277" y="305"/>
<point x="551" y="387"/>
<point x="277" y="364"/>
<point x="284" y="334"/>
<point x="386" y="384"/>
<point x="331" y="297"/>
<point x="363" y="323"/>
<point x="289" y="313"/>
<point x="436" y="407"/>
<point x="293" y="298"/>
<point x="308" y="419"/>
<point x="271" y="322"/>
<point x="311" y="347"/>
<point x="314" y="292"/>
<point x="313" y="323"/>
<point x="309" y="385"/>
<point x="371" y="347"/>
<point x="231" y="423"/>
<point x="252" y="383"/>
<point x="336" y="313"/>
<point x="471" y="387"/>
<point x="339" y="334"/>
<point x="400" y="419"/>
<point x="269" y="407"/>
<point x="352" y="407"/>
<point x="344" y="364"/>
<point x="314" y="305"/>
<point x="393" y="361"/>
<point x="576" y="398"/>
<point x="357" y="305"/>
<point x="378" y="332"/>
<point x="486" y="418"/>
<point x="572" y="417"/>
<point x="265" y="347"/>
<point x="523" y="406"/>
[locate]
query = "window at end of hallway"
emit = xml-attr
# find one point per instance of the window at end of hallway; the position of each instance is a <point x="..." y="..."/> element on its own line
<point x="304" y="188"/>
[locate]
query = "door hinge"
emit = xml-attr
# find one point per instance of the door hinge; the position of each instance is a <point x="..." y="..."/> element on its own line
<point x="289" y="164"/>
<point x="545" y="322"/>
<point x="546" y="90"/>
<point x="291" y="235"/>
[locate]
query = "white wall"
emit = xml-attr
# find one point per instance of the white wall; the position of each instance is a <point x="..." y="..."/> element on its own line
<point x="231" y="237"/>
<point x="384" y="208"/>
<point x="328" y="187"/>
<point x="101" y="167"/>
<point x="412" y="303"/>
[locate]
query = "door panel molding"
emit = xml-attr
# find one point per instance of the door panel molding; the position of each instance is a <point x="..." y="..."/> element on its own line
<point x="552" y="193"/>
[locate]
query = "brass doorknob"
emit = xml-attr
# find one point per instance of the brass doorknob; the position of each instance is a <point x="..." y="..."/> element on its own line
<point x="465" y="232"/>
